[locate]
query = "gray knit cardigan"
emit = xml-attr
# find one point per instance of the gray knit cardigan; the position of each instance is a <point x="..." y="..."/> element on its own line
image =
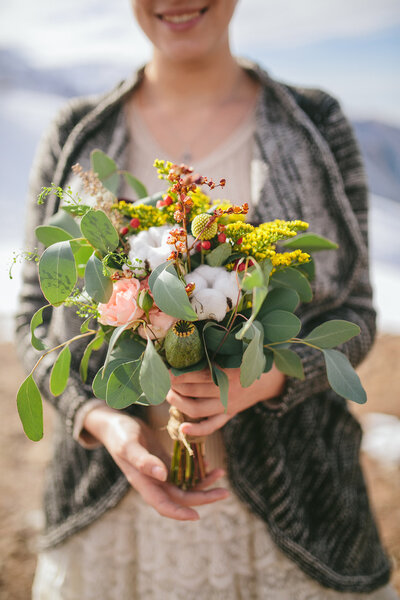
<point x="295" y="465"/>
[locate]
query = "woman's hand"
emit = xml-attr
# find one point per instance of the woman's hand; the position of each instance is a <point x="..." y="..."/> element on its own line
<point x="140" y="457"/>
<point x="196" y="396"/>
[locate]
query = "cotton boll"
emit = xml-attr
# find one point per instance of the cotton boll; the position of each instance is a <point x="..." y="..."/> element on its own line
<point x="210" y="274"/>
<point x="159" y="235"/>
<point x="209" y="304"/>
<point x="228" y="285"/>
<point x="199" y="281"/>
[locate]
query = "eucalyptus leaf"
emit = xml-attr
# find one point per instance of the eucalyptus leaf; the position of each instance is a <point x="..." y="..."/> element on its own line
<point x="226" y="361"/>
<point x="36" y="321"/>
<point x="86" y="325"/>
<point x="253" y="278"/>
<point x="118" y="331"/>
<point x="291" y="278"/>
<point x="213" y="337"/>
<point x="106" y="169"/>
<point x="98" y="286"/>
<point x="57" y="272"/>
<point x="64" y="221"/>
<point x="288" y="362"/>
<point x="309" y="242"/>
<point x="82" y="251"/>
<point x="127" y="348"/>
<point x="30" y="409"/>
<point x="332" y="333"/>
<point x="279" y="299"/>
<point x="95" y="344"/>
<point x="269" y="360"/>
<point x="221" y="380"/>
<point x="136" y="185"/>
<point x="253" y="361"/>
<point x="219" y="255"/>
<point x="123" y="387"/>
<point x="49" y="235"/>
<point x="100" y="381"/>
<point x="280" y="325"/>
<point x="99" y="231"/>
<point x="342" y="377"/>
<point x="60" y="372"/>
<point x="200" y="366"/>
<point x="258" y="296"/>
<point x="170" y="295"/>
<point x="154" y="377"/>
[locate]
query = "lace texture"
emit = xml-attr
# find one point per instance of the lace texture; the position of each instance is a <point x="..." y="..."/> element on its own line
<point x="132" y="552"/>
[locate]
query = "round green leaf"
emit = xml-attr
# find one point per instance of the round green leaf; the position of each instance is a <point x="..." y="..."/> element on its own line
<point x="135" y="184"/>
<point x="253" y="361"/>
<point x="291" y="277"/>
<point x="123" y="387"/>
<point x="342" y="377"/>
<point x="213" y="337"/>
<point x="279" y="299"/>
<point x="170" y="295"/>
<point x="30" y="409"/>
<point x="99" y="231"/>
<point x="100" y="381"/>
<point x="98" y="286"/>
<point x="154" y="377"/>
<point x="280" y="325"/>
<point x="332" y="333"/>
<point x="63" y="220"/>
<point x="37" y="320"/>
<point x="49" y="235"/>
<point x="288" y="362"/>
<point x="106" y="169"/>
<point x="219" y="255"/>
<point x="57" y="272"/>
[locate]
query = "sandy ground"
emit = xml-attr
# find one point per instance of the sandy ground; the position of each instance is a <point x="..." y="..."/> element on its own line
<point x="22" y="465"/>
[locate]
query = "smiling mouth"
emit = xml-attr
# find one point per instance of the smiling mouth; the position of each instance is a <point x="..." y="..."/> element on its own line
<point x="183" y="17"/>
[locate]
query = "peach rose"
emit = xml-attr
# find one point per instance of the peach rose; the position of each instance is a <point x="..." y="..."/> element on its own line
<point x="159" y="324"/>
<point x="121" y="308"/>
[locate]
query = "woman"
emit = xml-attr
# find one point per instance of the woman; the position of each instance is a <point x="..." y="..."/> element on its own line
<point x="291" y="447"/>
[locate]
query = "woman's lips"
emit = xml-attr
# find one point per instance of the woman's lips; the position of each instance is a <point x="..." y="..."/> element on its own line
<point x="182" y="19"/>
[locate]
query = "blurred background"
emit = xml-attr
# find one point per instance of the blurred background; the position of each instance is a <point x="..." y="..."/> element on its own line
<point x="52" y="51"/>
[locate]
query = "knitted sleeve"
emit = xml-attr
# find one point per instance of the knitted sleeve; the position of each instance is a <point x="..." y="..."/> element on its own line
<point x="31" y="297"/>
<point x="328" y="117"/>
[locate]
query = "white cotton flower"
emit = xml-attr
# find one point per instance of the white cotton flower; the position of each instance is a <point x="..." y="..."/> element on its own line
<point x="209" y="304"/>
<point x="210" y="274"/>
<point x="150" y="245"/>
<point x="227" y="283"/>
<point x="199" y="281"/>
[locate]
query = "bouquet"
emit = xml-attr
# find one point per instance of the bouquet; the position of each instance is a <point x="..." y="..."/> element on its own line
<point x="175" y="281"/>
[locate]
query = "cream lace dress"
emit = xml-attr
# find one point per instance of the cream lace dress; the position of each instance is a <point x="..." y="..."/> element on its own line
<point x="132" y="552"/>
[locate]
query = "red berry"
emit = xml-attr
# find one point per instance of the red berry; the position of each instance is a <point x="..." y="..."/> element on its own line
<point x="241" y="267"/>
<point x="168" y="200"/>
<point x="134" y="223"/>
<point x="124" y="230"/>
<point x="198" y="247"/>
<point x="206" y="244"/>
<point x="222" y="238"/>
<point x="239" y="241"/>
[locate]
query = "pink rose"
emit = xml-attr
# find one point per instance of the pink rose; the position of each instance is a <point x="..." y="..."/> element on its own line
<point x="159" y="324"/>
<point x="121" y="308"/>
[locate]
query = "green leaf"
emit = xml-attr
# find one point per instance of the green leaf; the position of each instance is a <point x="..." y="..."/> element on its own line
<point x="170" y="295"/>
<point x="221" y="380"/>
<point x="60" y="372"/>
<point x="293" y="279"/>
<point x="253" y="278"/>
<point x="269" y="360"/>
<point x="86" y="325"/>
<point x="135" y="184"/>
<point x="37" y="320"/>
<point x="82" y="251"/>
<point x="95" y="344"/>
<point x="30" y="409"/>
<point x="280" y="325"/>
<point x="309" y="242"/>
<point x="213" y="336"/>
<point x="100" y="381"/>
<point x="229" y="361"/>
<point x="332" y="333"/>
<point x="106" y="169"/>
<point x="279" y="299"/>
<point x="202" y="364"/>
<point x="156" y="272"/>
<point x="258" y="297"/>
<point x="127" y="348"/>
<point x="308" y="269"/>
<point x="154" y="377"/>
<point x="118" y="331"/>
<point x="49" y="235"/>
<point x="77" y="210"/>
<point x="219" y="255"/>
<point x="57" y="273"/>
<point x="123" y="387"/>
<point x="267" y="267"/>
<point x="342" y="377"/>
<point x="99" y="231"/>
<point x="98" y="286"/>
<point x="64" y="221"/>
<point x="288" y="362"/>
<point x="253" y="361"/>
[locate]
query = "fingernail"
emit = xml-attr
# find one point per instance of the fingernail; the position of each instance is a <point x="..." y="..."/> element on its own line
<point x="158" y="473"/>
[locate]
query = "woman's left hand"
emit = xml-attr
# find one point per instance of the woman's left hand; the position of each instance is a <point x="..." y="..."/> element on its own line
<point x="196" y="396"/>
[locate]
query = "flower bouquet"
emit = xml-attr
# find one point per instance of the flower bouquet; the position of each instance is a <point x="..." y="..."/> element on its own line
<point x="175" y="281"/>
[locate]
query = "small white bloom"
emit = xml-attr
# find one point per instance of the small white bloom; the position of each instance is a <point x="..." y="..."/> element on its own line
<point x="227" y="283"/>
<point x="199" y="281"/>
<point x="148" y="246"/>
<point x="209" y="304"/>
<point x="210" y="274"/>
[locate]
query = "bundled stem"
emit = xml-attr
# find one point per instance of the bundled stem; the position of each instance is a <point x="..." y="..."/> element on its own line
<point x="188" y="463"/>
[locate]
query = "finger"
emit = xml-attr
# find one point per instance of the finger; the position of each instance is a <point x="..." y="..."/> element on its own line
<point x="203" y="376"/>
<point x="144" y="462"/>
<point x="196" y="409"/>
<point x="209" y="479"/>
<point x="196" y="390"/>
<point x="196" y="497"/>
<point x="205" y="427"/>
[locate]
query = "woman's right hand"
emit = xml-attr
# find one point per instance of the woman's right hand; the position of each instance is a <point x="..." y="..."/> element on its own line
<point x="143" y="461"/>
